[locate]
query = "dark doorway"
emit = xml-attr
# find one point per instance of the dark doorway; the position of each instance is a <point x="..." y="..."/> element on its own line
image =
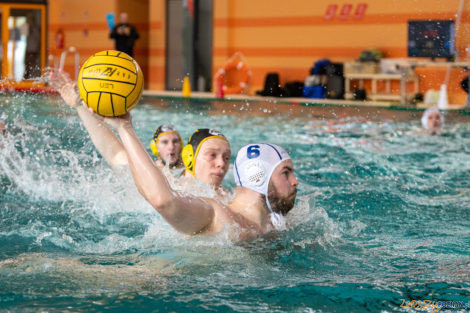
<point x="189" y="44"/>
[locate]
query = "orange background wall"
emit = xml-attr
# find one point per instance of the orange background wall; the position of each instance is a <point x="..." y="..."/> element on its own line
<point x="84" y="26"/>
<point x="157" y="44"/>
<point x="289" y="36"/>
<point x="274" y="35"/>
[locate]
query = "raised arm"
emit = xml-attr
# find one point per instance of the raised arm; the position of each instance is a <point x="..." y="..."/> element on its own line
<point x="186" y="214"/>
<point x="104" y="139"/>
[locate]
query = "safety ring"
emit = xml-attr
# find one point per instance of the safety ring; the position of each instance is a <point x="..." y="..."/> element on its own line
<point x="237" y="87"/>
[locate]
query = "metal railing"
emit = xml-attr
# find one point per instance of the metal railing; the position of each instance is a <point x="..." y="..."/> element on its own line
<point x="63" y="56"/>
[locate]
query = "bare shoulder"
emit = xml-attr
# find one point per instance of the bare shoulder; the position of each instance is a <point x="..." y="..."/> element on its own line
<point x="222" y="215"/>
<point x="219" y="208"/>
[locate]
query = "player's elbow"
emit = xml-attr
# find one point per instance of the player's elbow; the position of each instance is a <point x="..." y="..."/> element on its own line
<point x="160" y="203"/>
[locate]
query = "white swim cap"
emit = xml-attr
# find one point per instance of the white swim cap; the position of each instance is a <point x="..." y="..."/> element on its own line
<point x="254" y="165"/>
<point x="424" y="118"/>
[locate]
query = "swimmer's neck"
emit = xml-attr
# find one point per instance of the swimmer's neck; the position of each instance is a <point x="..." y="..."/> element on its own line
<point x="252" y="207"/>
<point x="219" y="189"/>
<point x="161" y="164"/>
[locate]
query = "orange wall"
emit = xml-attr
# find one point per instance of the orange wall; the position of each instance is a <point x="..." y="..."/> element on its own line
<point x="157" y="44"/>
<point x="84" y="25"/>
<point x="276" y="35"/>
<point x="289" y="36"/>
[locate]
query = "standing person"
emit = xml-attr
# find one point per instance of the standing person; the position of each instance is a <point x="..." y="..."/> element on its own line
<point x="124" y="35"/>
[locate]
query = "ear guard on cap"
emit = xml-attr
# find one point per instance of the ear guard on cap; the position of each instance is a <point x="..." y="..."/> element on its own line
<point x="188" y="158"/>
<point x="162" y="129"/>
<point x="154" y="147"/>
<point x="255" y="173"/>
<point x="191" y="150"/>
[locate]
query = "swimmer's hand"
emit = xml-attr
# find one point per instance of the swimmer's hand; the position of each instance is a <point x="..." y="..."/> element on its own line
<point x="57" y="79"/>
<point x="69" y="93"/>
<point x="116" y="122"/>
<point x="61" y="82"/>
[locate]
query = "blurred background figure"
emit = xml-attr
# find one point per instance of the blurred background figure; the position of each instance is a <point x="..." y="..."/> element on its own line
<point x="166" y="144"/>
<point x="432" y="120"/>
<point x="124" y="35"/>
<point x="33" y="46"/>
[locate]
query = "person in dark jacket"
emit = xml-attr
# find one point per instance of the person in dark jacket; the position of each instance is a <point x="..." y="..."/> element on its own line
<point x="124" y="35"/>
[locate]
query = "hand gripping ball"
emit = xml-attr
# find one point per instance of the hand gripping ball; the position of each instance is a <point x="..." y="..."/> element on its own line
<point x="110" y="83"/>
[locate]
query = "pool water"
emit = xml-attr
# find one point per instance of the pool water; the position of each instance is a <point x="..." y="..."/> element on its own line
<point x="382" y="216"/>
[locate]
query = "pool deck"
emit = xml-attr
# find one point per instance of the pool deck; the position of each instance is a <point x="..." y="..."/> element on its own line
<point x="298" y="101"/>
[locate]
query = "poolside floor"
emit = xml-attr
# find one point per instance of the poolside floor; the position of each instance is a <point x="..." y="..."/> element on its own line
<point x="303" y="101"/>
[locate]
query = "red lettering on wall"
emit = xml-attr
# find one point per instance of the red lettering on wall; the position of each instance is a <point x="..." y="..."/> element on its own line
<point x="330" y="12"/>
<point x="360" y="11"/>
<point x="345" y="11"/>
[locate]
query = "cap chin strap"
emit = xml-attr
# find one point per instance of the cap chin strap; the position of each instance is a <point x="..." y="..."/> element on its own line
<point x="278" y="220"/>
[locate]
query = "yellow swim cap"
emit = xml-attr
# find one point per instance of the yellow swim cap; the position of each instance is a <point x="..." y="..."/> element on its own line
<point x="191" y="150"/>
<point x="162" y="129"/>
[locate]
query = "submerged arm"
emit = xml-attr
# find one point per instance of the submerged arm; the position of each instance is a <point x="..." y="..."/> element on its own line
<point x="186" y="214"/>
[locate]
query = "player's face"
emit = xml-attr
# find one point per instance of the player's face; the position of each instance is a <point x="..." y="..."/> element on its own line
<point x="212" y="161"/>
<point x="169" y="148"/>
<point x="282" y="189"/>
<point x="434" y="121"/>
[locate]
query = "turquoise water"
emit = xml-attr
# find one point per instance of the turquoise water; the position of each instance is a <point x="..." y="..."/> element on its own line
<point x="382" y="215"/>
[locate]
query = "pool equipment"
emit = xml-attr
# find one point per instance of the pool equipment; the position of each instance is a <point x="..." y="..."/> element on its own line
<point x="443" y="102"/>
<point x="63" y="56"/>
<point x="186" y="87"/>
<point x="235" y="74"/>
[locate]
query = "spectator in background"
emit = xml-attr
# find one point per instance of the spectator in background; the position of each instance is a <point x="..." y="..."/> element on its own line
<point x="124" y="35"/>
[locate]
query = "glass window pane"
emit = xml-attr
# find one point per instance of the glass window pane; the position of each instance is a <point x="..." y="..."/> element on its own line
<point x="24" y="46"/>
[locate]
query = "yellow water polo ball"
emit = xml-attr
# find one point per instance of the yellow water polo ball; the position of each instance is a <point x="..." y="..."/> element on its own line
<point x="110" y="83"/>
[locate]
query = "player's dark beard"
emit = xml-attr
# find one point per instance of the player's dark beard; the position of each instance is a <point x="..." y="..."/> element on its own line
<point x="282" y="206"/>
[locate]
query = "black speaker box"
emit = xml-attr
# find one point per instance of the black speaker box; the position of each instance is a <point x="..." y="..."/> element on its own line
<point x="335" y="87"/>
<point x="293" y="89"/>
<point x="271" y="86"/>
<point x="334" y="69"/>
